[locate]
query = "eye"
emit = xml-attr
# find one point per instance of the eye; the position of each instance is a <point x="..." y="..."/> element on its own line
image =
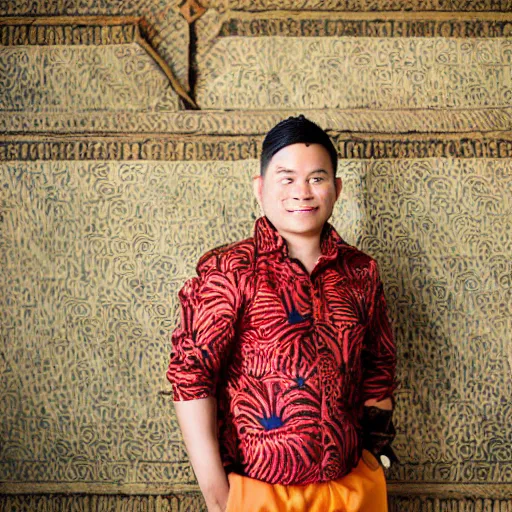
<point x="286" y="181"/>
<point x="317" y="179"/>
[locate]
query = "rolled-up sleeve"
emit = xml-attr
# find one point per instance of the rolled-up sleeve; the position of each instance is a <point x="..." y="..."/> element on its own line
<point x="202" y="341"/>
<point x="379" y="351"/>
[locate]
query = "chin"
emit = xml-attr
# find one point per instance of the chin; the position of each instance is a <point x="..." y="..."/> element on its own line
<point x="302" y="227"/>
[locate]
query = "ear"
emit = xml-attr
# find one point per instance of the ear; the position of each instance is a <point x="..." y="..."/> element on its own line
<point x="257" y="186"/>
<point x="339" y="186"/>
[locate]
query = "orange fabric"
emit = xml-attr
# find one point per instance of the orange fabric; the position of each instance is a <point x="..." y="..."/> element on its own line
<point x="362" y="490"/>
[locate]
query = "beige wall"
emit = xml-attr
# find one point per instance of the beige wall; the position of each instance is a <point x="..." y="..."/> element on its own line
<point x="111" y="188"/>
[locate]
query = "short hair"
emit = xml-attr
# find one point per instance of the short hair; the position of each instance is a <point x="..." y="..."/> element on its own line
<point x="295" y="130"/>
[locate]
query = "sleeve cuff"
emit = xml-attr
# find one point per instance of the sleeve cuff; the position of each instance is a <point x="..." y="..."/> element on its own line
<point x="182" y="394"/>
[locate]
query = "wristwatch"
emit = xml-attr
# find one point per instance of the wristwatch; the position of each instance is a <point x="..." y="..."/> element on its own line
<point x="378" y="434"/>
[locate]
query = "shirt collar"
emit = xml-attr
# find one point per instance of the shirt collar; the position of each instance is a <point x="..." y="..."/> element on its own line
<point x="268" y="239"/>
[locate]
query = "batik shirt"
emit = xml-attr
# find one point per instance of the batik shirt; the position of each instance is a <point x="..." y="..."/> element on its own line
<point x="291" y="357"/>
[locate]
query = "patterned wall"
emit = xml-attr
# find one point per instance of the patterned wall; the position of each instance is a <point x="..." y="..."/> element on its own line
<point x="96" y="252"/>
<point x="80" y="78"/>
<point x="165" y="28"/>
<point x="110" y="192"/>
<point x="362" y="61"/>
<point x="334" y="72"/>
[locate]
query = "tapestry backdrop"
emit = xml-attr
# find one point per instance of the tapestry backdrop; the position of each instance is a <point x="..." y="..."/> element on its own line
<point x="129" y="139"/>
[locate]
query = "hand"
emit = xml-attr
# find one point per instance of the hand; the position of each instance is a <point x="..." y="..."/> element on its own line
<point x="215" y="507"/>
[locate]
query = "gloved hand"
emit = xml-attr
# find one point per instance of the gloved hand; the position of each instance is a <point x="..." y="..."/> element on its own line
<point x="378" y="434"/>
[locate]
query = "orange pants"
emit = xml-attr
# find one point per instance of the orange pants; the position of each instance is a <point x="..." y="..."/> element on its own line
<point x="362" y="490"/>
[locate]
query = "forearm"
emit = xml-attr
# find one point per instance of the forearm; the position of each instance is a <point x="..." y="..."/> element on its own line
<point x="198" y="423"/>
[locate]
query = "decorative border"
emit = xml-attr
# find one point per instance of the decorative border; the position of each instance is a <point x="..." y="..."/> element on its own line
<point x="16" y="34"/>
<point x="195" y="503"/>
<point x="258" y="122"/>
<point x="362" y="28"/>
<point x="108" y="8"/>
<point x="203" y="149"/>
<point x="186" y="502"/>
<point x="355" y="24"/>
<point x="425" y="491"/>
<point x="207" y="148"/>
<point x="365" y="5"/>
<point x="428" y="147"/>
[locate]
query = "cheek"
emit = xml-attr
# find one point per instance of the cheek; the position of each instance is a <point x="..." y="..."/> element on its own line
<point x="272" y="197"/>
<point x="327" y="196"/>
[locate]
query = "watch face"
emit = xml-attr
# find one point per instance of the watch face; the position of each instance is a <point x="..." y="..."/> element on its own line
<point x="384" y="460"/>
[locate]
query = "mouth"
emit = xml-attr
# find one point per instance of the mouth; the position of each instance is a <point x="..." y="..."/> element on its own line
<point x="303" y="209"/>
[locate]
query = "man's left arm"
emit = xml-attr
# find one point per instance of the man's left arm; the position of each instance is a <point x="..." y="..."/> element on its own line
<point x="379" y="366"/>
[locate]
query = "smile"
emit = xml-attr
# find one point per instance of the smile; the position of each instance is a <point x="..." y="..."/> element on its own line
<point x="304" y="209"/>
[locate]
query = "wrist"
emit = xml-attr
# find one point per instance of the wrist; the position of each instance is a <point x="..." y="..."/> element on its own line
<point x="216" y="499"/>
<point x="215" y="508"/>
<point x="378" y="433"/>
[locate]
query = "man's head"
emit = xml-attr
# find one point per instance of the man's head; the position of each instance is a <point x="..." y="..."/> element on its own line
<point x="297" y="186"/>
<point x="295" y="130"/>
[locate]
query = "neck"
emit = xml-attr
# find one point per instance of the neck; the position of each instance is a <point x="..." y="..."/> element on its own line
<point x="305" y="249"/>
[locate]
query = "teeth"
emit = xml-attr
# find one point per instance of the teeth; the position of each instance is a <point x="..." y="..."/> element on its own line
<point x="304" y="209"/>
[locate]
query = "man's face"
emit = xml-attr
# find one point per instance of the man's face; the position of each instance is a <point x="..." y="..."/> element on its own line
<point x="298" y="191"/>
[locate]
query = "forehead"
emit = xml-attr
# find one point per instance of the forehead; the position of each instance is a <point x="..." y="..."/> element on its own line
<point x="301" y="157"/>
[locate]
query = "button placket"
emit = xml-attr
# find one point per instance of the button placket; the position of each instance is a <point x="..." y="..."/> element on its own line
<point x="317" y="303"/>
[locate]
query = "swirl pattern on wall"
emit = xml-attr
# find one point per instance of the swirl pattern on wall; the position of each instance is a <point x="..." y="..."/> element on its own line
<point x="82" y="79"/>
<point x="93" y="256"/>
<point x="353" y="72"/>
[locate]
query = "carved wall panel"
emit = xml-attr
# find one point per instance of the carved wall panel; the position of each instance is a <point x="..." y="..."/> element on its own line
<point x="329" y="63"/>
<point x="166" y="29"/>
<point x="95" y="253"/>
<point x="110" y="191"/>
<point x="82" y="78"/>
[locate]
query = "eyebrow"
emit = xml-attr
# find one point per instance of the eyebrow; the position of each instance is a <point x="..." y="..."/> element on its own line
<point x="284" y="170"/>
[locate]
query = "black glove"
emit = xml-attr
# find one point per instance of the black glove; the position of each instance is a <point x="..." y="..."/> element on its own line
<point x="378" y="434"/>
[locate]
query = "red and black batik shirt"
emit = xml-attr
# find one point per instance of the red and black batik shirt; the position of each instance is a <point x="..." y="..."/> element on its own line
<point x="291" y="357"/>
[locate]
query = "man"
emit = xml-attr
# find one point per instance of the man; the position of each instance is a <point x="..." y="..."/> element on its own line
<point x="283" y="367"/>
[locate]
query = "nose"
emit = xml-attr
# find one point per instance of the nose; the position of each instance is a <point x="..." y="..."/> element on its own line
<point x="302" y="191"/>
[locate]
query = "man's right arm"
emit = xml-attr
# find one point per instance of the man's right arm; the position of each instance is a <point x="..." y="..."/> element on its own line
<point x="198" y="423"/>
<point x="200" y="345"/>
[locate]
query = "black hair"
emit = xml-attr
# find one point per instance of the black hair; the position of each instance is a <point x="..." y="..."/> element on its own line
<point x="295" y="130"/>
